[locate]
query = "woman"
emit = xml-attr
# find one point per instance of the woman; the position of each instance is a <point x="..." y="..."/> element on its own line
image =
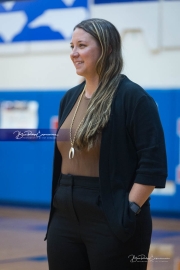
<point x="109" y="156"/>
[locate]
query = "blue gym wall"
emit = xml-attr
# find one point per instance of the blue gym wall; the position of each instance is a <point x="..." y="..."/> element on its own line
<point x="26" y="167"/>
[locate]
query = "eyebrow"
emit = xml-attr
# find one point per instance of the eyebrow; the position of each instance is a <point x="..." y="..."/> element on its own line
<point x="78" y="41"/>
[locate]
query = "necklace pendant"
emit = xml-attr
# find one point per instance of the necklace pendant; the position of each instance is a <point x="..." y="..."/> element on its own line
<point x="71" y="153"/>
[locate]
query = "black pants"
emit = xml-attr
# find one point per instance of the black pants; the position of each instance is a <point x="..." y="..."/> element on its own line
<point x="79" y="237"/>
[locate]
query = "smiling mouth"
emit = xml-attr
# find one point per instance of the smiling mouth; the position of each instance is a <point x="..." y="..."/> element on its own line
<point x="78" y="63"/>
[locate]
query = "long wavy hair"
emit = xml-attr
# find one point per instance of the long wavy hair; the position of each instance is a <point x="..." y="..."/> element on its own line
<point x="108" y="67"/>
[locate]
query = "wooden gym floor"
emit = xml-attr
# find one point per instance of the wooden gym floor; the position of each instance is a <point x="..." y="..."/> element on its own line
<point x="22" y="246"/>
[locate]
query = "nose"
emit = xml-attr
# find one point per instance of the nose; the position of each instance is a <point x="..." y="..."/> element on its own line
<point x="74" y="53"/>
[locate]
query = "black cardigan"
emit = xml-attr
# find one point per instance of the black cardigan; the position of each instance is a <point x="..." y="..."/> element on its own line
<point x="132" y="151"/>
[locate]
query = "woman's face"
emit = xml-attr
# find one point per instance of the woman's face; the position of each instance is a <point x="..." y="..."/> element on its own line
<point x="85" y="53"/>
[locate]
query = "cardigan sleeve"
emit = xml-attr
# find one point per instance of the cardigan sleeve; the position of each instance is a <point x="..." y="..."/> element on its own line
<point x="148" y="137"/>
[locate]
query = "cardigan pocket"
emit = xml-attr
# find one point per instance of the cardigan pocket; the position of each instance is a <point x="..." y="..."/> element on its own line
<point x="128" y="217"/>
<point x="122" y="220"/>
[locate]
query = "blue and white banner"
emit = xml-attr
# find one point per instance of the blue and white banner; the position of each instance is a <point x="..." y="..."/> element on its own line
<point x="40" y="20"/>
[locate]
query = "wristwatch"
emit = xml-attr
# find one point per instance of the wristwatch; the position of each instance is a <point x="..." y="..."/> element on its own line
<point x="135" y="207"/>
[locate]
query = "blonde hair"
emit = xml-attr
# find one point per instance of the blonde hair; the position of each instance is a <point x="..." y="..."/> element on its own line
<point x="108" y="67"/>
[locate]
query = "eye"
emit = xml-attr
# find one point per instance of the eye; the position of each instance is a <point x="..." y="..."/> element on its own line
<point x="81" y="45"/>
<point x="71" y="46"/>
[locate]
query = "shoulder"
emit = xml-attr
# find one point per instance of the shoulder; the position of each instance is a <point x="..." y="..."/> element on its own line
<point x="131" y="93"/>
<point x="130" y="89"/>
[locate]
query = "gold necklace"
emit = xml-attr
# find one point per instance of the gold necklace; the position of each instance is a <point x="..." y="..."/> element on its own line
<point x="71" y="151"/>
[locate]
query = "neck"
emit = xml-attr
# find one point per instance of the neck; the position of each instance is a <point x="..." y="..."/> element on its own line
<point x="91" y="86"/>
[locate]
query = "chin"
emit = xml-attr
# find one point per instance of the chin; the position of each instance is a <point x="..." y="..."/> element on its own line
<point x="80" y="73"/>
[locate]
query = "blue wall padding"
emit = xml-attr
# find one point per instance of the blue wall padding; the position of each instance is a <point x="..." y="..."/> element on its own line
<point x="26" y="167"/>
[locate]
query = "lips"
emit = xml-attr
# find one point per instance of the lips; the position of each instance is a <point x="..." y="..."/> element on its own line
<point x="77" y="63"/>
